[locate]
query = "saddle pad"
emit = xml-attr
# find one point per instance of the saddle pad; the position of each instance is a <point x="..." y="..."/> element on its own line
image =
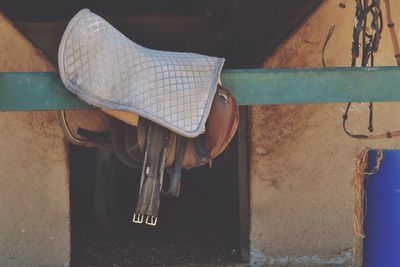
<point x="106" y="69"/>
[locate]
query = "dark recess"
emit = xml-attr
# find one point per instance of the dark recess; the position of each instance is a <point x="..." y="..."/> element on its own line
<point x="244" y="32"/>
<point x="201" y="227"/>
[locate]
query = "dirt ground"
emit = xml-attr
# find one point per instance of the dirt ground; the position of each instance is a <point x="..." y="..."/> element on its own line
<point x="200" y="228"/>
<point x="136" y="246"/>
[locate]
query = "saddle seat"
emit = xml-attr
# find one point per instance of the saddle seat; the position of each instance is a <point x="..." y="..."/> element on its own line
<point x="104" y="68"/>
<point x="185" y="118"/>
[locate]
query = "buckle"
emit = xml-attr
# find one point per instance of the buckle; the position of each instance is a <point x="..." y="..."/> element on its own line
<point x="137" y="218"/>
<point x="151" y="220"/>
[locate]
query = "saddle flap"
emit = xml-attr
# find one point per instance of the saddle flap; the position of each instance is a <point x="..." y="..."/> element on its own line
<point x="222" y="123"/>
<point x="90" y="128"/>
<point x="220" y="129"/>
<point x="106" y="69"/>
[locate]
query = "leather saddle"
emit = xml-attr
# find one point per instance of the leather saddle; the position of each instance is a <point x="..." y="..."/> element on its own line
<point x="185" y="117"/>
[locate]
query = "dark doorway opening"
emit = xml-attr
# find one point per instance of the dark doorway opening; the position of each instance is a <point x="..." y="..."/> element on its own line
<point x="200" y="227"/>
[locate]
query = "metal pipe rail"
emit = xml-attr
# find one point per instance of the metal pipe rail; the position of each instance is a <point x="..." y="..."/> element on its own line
<point x="45" y="91"/>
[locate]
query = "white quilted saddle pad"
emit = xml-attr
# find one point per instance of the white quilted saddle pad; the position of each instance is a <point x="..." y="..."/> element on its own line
<point x="106" y="69"/>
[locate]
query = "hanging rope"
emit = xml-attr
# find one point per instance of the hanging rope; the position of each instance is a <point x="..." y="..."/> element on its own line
<point x="359" y="210"/>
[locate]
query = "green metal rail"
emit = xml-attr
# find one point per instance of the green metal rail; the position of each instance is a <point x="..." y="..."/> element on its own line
<point x="44" y="91"/>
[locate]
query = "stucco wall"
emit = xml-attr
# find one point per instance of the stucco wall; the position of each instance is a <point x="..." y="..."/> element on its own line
<point x="34" y="184"/>
<point x="302" y="161"/>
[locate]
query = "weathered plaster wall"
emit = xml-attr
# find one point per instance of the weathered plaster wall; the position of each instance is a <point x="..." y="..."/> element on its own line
<point x="34" y="187"/>
<point x="301" y="160"/>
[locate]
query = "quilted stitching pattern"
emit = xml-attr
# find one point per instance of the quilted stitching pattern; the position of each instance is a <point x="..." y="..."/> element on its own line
<point x="106" y="69"/>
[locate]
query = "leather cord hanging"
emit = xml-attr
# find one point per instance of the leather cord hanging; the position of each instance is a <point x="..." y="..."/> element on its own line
<point x="342" y="6"/>
<point x="396" y="48"/>
<point x="369" y="45"/>
<point x="393" y="34"/>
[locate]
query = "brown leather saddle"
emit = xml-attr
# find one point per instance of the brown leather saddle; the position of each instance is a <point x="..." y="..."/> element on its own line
<point x="185" y="118"/>
<point x="155" y="148"/>
<point x="130" y="142"/>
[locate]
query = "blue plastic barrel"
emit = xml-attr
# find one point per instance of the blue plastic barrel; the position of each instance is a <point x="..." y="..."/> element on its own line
<point x="382" y="212"/>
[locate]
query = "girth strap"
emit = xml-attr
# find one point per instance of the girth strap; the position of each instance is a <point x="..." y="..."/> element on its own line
<point x="202" y="157"/>
<point x="175" y="185"/>
<point x="202" y="153"/>
<point x="152" y="175"/>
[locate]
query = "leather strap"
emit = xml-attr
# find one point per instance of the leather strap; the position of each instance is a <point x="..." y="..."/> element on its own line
<point x="93" y="135"/>
<point x="175" y="184"/>
<point x="393" y="34"/>
<point x="370" y="45"/>
<point x="202" y="153"/>
<point x="118" y="142"/>
<point x="396" y="48"/>
<point x="152" y="175"/>
<point x="91" y="138"/>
